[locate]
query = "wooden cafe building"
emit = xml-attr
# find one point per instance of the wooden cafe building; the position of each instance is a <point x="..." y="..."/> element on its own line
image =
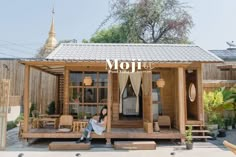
<point x="141" y="84"/>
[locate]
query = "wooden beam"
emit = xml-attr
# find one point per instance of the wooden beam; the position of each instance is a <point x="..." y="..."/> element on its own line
<point x="57" y="95"/>
<point x="26" y="98"/>
<point x="66" y="91"/>
<point x="37" y="68"/>
<point x="181" y="97"/>
<point x="200" y="94"/>
<point x="109" y="98"/>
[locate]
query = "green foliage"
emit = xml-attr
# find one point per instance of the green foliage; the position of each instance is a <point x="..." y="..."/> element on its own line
<point x="11" y="125"/>
<point x="212" y="101"/>
<point x="19" y="118"/>
<point x="51" y="108"/>
<point x="114" y="34"/>
<point x="188" y="135"/>
<point x="80" y="115"/>
<point x="32" y="108"/>
<point x="217" y="101"/>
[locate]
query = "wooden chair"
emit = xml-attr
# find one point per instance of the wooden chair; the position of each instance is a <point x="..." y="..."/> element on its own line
<point x="66" y="121"/>
<point x="79" y="126"/>
<point x="230" y="146"/>
<point x="164" y="121"/>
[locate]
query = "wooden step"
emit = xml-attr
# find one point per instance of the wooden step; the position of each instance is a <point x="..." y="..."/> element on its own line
<point x="68" y="146"/>
<point x="200" y="131"/>
<point x="135" y="145"/>
<point x="196" y="125"/>
<point x="201" y="137"/>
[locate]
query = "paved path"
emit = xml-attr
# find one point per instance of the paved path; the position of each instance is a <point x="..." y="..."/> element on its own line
<point x="164" y="149"/>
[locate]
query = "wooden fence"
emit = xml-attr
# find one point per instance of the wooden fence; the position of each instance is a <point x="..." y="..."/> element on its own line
<point x="42" y="85"/>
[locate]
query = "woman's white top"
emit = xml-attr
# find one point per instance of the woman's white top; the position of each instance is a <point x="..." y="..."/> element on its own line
<point x="97" y="127"/>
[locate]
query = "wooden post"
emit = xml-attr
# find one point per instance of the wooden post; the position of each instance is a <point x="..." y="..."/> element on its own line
<point x="200" y="94"/>
<point x="109" y="102"/>
<point x="66" y="91"/>
<point x="57" y="95"/>
<point x="26" y="98"/>
<point x="181" y="91"/>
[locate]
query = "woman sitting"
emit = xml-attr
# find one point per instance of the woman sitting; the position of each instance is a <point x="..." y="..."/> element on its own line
<point x="96" y="124"/>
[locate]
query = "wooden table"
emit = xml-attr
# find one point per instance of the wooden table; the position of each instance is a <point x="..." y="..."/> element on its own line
<point x="47" y="121"/>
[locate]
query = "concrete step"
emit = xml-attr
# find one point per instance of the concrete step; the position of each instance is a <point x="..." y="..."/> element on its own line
<point x="200" y="131"/>
<point x="135" y="145"/>
<point x="201" y="137"/>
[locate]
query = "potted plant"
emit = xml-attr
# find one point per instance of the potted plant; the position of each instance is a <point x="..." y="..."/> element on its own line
<point x="189" y="138"/>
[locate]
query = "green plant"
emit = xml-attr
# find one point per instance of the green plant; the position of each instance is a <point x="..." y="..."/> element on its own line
<point x="32" y="108"/>
<point x="51" y="108"/>
<point x="11" y="125"/>
<point x="19" y="118"/>
<point x="230" y="99"/>
<point x="188" y="135"/>
<point x="80" y="115"/>
<point x="213" y="104"/>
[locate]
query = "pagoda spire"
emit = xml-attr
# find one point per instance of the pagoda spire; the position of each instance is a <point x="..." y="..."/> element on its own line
<point x="51" y="42"/>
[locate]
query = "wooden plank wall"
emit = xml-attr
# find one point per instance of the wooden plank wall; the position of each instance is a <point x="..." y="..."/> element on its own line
<point x="211" y="72"/>
<point x="16" y="76"/>
<point x="115" y="90"/>
<point x="211" y="85"/>
<point x="168" y="94"/>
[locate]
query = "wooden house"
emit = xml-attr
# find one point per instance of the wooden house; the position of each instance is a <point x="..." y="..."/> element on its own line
<point x="139" y="83"/>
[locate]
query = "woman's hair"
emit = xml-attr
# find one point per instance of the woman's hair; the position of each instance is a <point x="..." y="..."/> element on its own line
<point x="101" y="116"/>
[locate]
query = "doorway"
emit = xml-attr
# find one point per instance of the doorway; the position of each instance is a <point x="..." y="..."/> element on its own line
<point x="129" y="100"/>
<point x="191" y="94"/>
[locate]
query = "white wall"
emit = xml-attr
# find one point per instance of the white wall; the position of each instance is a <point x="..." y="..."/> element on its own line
<point x="14" y="113"/>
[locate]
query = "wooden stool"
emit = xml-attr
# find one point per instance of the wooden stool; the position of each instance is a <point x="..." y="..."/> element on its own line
<point x="68" y="146"/>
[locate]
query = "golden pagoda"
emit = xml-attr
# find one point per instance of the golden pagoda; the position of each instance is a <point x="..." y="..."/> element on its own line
<point x="51" y="42"/>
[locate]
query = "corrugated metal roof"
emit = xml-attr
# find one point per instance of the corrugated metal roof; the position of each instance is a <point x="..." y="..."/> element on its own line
<point x="129" y="52"/>
<point x="227" y="55"/>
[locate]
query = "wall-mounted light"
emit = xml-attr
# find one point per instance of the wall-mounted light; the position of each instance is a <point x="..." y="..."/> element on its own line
<point x="190" y="71"/>
<point x="87" y="81"/>
<point x="160" y="83"/>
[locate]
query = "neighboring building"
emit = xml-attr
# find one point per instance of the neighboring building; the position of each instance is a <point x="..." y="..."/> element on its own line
<point x="217" y="75"/>
<point x="85" y="84"/>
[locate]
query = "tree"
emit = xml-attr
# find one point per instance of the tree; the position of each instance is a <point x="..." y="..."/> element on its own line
<point x="114" y="34"/>
<point x="152" y="21"/>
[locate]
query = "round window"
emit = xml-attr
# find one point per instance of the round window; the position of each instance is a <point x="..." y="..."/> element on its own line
<point x="192" y="92"/>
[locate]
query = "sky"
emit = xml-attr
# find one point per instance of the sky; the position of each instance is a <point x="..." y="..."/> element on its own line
<point x="24" y="24"/>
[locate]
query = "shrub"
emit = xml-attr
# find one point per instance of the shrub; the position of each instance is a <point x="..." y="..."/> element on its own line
<point x="11" y="125"/>
<point x="32" y="108"/>
<point x="51" y="108"/>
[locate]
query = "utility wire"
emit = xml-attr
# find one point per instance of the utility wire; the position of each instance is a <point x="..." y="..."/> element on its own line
<point x="17" y="50"/>
<point x="17" y="44"/>
<point x="8" y="55"/>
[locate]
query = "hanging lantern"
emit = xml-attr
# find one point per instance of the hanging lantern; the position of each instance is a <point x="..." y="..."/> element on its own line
<point x="160" y="83"/>
<point x="88" y="81"/>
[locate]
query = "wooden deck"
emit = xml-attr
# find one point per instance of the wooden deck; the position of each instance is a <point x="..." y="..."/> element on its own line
<point x="116" y="133"/>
